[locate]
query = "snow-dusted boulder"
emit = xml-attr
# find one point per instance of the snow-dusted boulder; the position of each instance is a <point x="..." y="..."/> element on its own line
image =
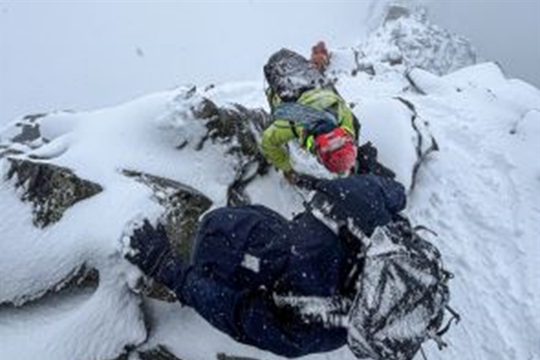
<point x="406" y="39"/>
<point x="64" y="213"/>
<point x="51" y="189"/>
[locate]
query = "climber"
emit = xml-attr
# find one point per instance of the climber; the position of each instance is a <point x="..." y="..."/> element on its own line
<point x="243" y="257"/>
<point x="305" y="106"/>
<point x="251" y="271"/>
<point x="320" y="56"/>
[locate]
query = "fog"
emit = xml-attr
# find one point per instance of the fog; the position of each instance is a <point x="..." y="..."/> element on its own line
<point x="502" y="30"/>
<point x="79" y="55"/>
<point x="86" y="54"/>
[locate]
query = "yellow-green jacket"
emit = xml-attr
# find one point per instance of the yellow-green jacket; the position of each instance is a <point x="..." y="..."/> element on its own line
<point x="280" y="132"/>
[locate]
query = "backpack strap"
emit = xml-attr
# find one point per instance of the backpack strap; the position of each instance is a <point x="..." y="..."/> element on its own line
<point x="292" y="124"/>
<point x="314" y="121"/>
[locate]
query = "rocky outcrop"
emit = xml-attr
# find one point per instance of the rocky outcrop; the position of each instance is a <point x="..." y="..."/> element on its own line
<point x="425" y="141"/>
<point x="26" y="133"/>
<point x="222" y="356"/>
<point x="53" y="189"/>
<point x="407" y="40"/>
<point x="162" y="353"/>
<point x="81" y="277"/>
<point x="50" y="188"/>
<point x="183" y="207"/>
<point x="239" y="128"/>
<point x="159" y="353"/>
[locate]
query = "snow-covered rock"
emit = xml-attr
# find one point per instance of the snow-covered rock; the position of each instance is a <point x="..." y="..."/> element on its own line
<point x="406" y="40"/>
<point x="168" y="156"/>
<point x="175" y="154"/>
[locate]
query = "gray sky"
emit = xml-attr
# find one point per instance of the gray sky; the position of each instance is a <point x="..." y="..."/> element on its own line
<point x="507" y="31"/>
<point x="86" y="54"/>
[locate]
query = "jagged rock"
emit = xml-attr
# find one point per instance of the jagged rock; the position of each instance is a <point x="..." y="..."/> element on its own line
<point x="29" y="131"/>
<point x="240" y="128"/>
<point x="222" y="356"/>
<point x="28" y="134"/>
<point x="52" y="189"/>
<point x="206" y="109"/>
<point x="406" y="40"/>
<point x="160" y="353"/>
<point x="423" y="150"/>
<point x="82" y="277"/>
<point x="183" y="207"/>
<point x="238" y="122"/>
<point x="395" y="12"/>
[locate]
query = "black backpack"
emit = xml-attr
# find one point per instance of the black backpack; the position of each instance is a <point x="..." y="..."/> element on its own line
<point x="402" y="296"/>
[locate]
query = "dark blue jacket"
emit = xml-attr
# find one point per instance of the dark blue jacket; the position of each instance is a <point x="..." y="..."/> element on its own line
<point x="243" y="255"/>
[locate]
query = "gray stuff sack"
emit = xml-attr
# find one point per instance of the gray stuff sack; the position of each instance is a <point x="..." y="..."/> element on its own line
<point x="401" y="298"/>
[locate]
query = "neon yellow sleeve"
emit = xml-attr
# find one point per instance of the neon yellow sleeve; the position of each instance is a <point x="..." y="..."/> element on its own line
<point x="346" y="119"/>
<point x="274" y="144"/>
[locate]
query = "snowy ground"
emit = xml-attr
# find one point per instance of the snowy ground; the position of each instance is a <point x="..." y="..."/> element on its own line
<point x="480" y="193"/>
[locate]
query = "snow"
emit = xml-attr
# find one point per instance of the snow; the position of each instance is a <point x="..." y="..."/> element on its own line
<point x="480" y="192"/>
<point x="397" y="147"/>
<point x="252" y="263"/>
<point x="406" y="39"/>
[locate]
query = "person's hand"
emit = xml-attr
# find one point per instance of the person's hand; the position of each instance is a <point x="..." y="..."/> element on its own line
<point x="291" y="177"/>
<point x="150" y="248"/>
<point x="320" y="56"/>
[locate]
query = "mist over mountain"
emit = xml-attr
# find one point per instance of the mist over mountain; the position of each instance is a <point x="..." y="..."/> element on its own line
<point x="79" y="54"/>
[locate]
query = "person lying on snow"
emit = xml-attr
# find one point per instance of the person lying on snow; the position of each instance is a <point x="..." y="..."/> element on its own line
<point x="251" y="271"/>
<point x="305" y="106"/>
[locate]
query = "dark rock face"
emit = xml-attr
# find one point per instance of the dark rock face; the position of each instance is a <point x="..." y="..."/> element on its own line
<point x="183" y="207"/>
<point x="240" y="128"/>
<point x="81" y="277"/>
<point x="159" y="353"/>
<point x="162" y="353"/>
<point x="51" y="189"/>
<point x="222" y="356"/>
<point x="29" y="132"/>
<point x="406" y="39"/>
<point x="426" y="142"/>
<point x="395" y="12"/>
<point x="29" y="135"/>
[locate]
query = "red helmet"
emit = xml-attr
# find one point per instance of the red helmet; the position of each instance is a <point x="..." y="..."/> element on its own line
<point x="336" y="150"/>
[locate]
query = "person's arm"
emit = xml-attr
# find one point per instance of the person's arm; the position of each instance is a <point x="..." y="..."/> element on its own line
<point x="274" y="144"/>
<point x="247" y="316"/>
<point x="346" y="119"/>
<point x="393" y="192"/>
